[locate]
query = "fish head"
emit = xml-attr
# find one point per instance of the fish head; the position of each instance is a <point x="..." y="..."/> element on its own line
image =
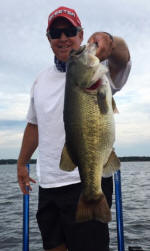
<point x="83" y="65"/>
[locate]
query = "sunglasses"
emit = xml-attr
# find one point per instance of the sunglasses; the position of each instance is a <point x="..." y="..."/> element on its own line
<point x="55" y="33"/>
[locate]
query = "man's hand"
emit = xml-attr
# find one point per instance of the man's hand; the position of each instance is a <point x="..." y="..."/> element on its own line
<point x="115" y="50"/>
<point x="24" y="179"/>
<point x="29" y="144"/>
<point x="104" y="42"/>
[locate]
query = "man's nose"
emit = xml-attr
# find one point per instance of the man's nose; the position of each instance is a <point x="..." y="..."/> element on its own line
<point x="63" y="36"/>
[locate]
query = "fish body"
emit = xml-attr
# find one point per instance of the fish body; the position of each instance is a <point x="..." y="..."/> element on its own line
<point x="90" y="130"/>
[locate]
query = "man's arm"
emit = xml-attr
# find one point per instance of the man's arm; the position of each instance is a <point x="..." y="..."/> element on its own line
<point x="114" y="49"/>
<point x="119" y="56"/>
<point x="29" y="144"/>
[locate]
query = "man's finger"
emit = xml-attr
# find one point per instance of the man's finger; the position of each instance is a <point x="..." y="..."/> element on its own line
<point x="23" y="183"/>
<point x="23" y="188"/>
<point x="32" y="180"/>
<point x="27" y="184"/>
<point x="91" y="40"/>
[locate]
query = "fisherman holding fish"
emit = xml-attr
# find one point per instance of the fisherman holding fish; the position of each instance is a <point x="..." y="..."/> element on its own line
<point x="70" y="120"/>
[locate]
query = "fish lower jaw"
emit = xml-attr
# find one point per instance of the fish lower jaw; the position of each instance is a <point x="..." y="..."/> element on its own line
<point x="94" y="88"/>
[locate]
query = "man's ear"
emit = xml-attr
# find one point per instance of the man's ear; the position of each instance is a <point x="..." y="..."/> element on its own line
<point x="48" y="37"/>
<point x="81" y="35"/>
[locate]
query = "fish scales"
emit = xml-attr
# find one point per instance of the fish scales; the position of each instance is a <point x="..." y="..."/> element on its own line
<point x="86" y="136"/>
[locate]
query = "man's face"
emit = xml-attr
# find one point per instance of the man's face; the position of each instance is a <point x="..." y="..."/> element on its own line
<point x="63" y="45"/>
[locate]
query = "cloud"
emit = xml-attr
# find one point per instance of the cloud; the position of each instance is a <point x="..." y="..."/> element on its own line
<point x="10" y="144"/>
<point x="12" y="125"/>
<point x="13" y="138"/>
<point x="14" y="107"/>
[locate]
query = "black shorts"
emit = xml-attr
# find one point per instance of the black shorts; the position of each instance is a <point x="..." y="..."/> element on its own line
<point x="56" y="214"/>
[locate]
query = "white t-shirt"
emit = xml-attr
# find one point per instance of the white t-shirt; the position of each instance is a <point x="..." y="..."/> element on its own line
<point x="46" y="110"/>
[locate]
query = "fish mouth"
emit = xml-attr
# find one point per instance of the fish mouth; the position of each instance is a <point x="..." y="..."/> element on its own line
<point x="95" y="85"/>
<point x="89" y="48"/>
<point x="92" y="48"/>
<point x="78" y="52"/>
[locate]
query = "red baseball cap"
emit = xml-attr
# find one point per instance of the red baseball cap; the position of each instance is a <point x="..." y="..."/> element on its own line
<point x="65" y="12"/>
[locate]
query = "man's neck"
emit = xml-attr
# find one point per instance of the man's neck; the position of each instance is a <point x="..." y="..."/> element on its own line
<point x="60" y="65"/>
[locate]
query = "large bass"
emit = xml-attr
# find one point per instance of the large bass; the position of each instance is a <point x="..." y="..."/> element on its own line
<point x="90" y="130"/>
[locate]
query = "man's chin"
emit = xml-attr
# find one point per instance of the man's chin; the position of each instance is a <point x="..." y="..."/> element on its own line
<point x="63" y="58"/>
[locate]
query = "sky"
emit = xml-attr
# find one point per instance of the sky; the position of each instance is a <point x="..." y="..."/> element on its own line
<point x="25" y="51"/>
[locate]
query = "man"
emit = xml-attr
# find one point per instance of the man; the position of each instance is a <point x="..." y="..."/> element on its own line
<point x="59" y="191"/>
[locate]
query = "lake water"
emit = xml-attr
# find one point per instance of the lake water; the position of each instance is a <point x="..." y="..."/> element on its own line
<point x="136" y="209"/>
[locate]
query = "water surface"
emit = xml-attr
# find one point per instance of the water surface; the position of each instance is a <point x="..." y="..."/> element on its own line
<point x="136" y="209"/>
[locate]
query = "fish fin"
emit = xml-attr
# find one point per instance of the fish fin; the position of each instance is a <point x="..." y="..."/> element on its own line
<point x="101" y="98"/>
<point x="102" y="211"/>
<point x="95" y="209"/>
<point x="112" y="165"/>
<point x="84" y="210"/>
<point x="66" y="162"/>
<point x="115" y="109"/>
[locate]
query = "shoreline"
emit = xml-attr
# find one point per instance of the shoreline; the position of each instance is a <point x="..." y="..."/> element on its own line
<point x="122" y="159"/>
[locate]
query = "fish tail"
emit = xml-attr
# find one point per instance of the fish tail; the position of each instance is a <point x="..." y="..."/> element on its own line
<point x="84" y="210"/>
<point x="101" y="210"/>
<point x="95" y="209"/>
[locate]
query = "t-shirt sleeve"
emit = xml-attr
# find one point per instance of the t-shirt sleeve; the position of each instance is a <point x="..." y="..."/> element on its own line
<point x="121" y="78"/>
<point x="31" y="114"/>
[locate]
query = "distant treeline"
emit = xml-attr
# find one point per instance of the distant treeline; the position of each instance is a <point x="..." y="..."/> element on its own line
<point x="14" y="161"/>
<point x="122" y="159"/>
<point x="134" y="158"/>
